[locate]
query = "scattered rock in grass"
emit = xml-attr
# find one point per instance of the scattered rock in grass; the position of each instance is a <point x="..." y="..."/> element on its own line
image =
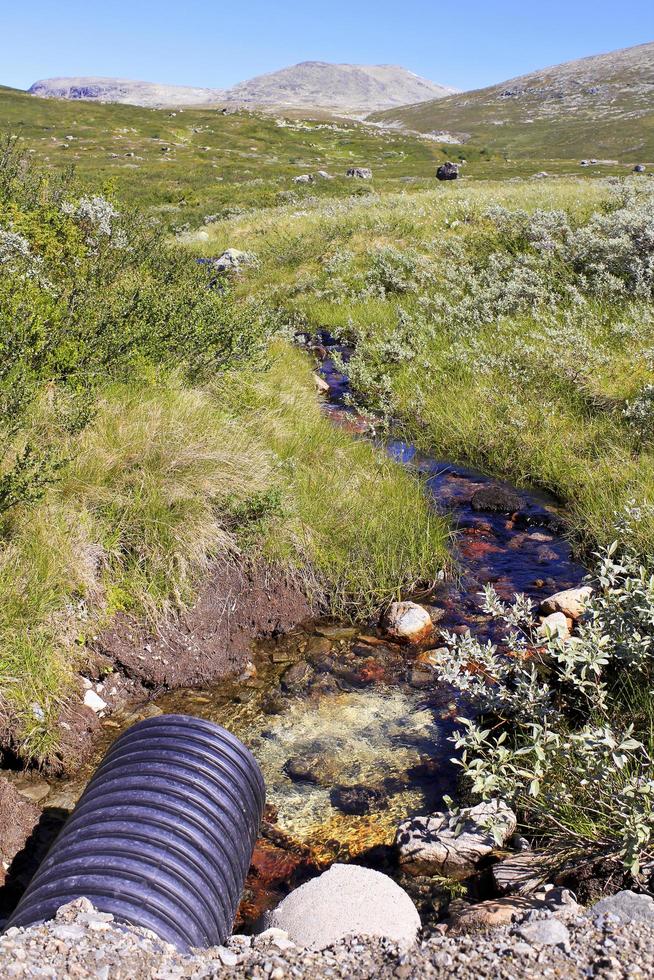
<point x="232" y="260"/>
<point x="303" y="179"/>
<point x="407" y="622"/>
<point x="447" y="171"/>
<point x="497" y="499"/>
<point x="324" y="175"/>
<point x="570" y="602"/>
<point x="554" y="626"/>
<point x="640" y="168"/>
<point x="347" y="901"/>
<point x="625" y="907"/>
<point x="362" y="173"/>
<point x="431" y="845"/>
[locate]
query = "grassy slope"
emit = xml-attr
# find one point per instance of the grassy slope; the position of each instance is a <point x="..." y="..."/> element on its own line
<point x="172" y="448"/>
<point x="598" y="107"/>
<point x="250" y="163"/>
<point x="536" y="394"/>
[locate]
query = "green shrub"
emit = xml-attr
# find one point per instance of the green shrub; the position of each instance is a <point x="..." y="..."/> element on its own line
<point x="566" y="726"/>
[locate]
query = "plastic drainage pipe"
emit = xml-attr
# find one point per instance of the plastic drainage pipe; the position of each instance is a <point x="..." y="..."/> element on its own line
<point x="162" y="836"/>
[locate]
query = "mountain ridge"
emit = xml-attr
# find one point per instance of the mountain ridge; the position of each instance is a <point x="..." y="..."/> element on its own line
<point x="318" y="84"/>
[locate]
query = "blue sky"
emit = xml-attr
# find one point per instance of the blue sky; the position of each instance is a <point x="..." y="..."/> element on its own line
<point x="467" y="44"/>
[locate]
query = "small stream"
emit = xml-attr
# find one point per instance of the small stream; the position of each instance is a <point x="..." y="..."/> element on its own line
<point x="351" y="731"/>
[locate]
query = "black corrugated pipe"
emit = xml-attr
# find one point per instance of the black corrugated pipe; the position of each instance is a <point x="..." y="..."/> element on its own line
<point x="162" y="836"/>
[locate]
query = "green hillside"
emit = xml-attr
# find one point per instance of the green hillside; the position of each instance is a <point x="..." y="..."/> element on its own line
<point x="186" y="164"/>
<point x="598" y="107"/>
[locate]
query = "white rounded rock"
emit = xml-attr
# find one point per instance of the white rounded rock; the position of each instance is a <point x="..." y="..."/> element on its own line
<point x="94" y="701"/>
<point x="554" y="627"/>
<point x="347" y="901"/>
<point x="408" y="622"/>
<point x="570" y="602"/>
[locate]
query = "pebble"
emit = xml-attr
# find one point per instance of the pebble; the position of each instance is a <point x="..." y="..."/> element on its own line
<point x="614" y="949"/>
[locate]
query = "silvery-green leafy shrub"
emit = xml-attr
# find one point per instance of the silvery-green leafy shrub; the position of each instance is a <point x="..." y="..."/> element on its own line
<point x="564" y="730"/>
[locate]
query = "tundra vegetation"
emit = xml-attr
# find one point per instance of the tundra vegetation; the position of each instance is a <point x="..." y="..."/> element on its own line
<point x="151" y="425"/>
<point x="510" y="326"/>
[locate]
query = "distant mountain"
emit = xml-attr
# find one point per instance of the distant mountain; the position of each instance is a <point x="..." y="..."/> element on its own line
<point x="147" y="94"/>
<point x="312" y="84"/>
<point x="327" y="86"/>
<point x="591" y="107"/>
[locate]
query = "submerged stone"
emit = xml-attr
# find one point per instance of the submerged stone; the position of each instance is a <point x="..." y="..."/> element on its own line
<point x="496" y="499"/>
<point x="356" y="800"/>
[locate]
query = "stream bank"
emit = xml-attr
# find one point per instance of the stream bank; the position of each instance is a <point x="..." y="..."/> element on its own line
<point x="351" y="729"/>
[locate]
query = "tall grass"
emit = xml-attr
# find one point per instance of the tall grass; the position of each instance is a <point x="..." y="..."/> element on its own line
<point x="170" y="478"/>
<point x="508" y="326"/>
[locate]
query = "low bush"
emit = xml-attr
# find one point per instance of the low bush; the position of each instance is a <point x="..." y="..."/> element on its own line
<point x="565" y="731"/>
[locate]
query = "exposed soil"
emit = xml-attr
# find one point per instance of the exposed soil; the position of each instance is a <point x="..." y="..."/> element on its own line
<point x="19" y="816"/>
<point x="212" y="639"/>
<point x="236" y="605"/>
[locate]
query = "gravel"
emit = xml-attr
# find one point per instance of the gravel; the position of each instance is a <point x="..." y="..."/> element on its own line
<point x="83" y="943"/>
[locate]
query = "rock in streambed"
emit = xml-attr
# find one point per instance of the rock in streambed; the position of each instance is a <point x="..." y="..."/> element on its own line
<point x="453" y="845"/>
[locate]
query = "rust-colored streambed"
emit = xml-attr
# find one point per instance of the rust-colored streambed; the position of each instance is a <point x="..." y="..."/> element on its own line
<point x="351" y="731"/>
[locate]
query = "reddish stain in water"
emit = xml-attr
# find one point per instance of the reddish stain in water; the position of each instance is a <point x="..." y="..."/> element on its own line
<point x="473" y="548"/>
<point x="372" y="672"/>
<point x="272" y="864"/>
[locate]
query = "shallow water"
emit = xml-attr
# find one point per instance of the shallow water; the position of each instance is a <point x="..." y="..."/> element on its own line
<point x="361" y="742"/>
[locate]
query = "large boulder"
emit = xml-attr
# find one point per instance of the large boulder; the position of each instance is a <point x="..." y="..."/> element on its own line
<point x="347" y="901"/>
<point x="447" y="171"/>
<point x="407" y="622"/>
<point x="362" y="173"/>
<point x="570" y="602"/>
<point x="450" y="845"/>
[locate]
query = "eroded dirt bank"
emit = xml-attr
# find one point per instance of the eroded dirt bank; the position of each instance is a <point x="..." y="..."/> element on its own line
<point x="236" y="604"/>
